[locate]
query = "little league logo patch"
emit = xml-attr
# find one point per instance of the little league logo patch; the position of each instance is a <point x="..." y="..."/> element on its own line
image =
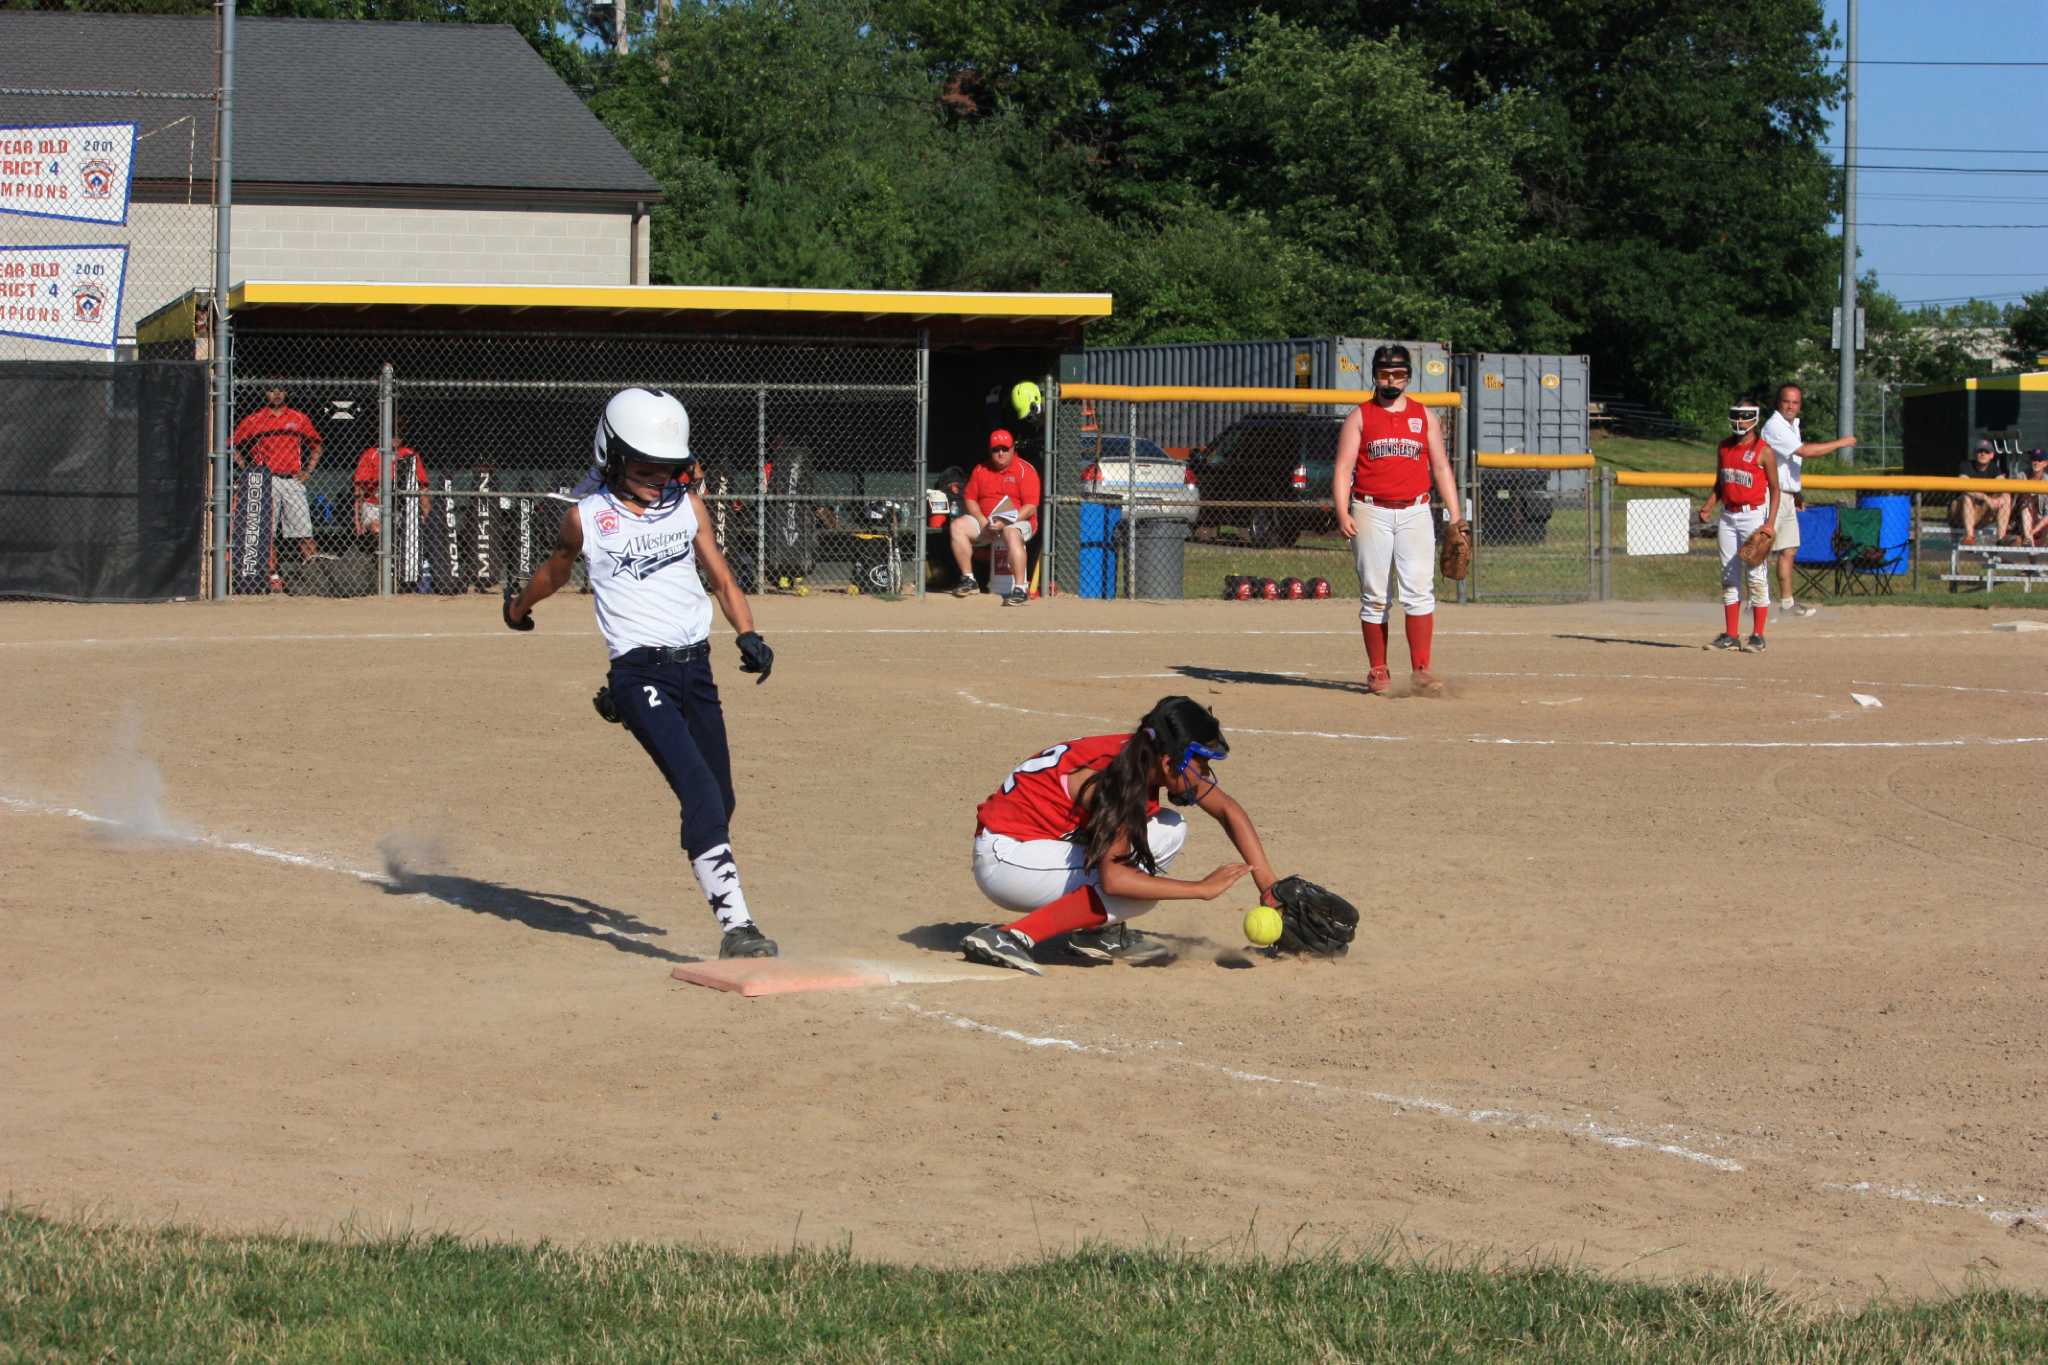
<point x="607" y="523"/>
<point x="97" y="179"/>
<point x="88" y="301"/>
<point x="1415" y="424"/>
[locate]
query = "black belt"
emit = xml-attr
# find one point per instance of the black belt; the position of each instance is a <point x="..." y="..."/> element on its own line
<point x="649" y="655"/>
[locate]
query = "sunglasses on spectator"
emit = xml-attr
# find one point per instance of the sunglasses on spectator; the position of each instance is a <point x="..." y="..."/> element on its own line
<point x="1002" y="447"/>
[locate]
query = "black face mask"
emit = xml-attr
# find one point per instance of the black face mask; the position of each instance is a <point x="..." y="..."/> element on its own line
<point x="1387" y="393"/>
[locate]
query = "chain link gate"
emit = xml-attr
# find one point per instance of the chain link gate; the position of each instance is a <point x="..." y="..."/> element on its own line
<point x="1536" y="533"/>
<point x="1135" y="515"/>
<point x="809" y="455"/>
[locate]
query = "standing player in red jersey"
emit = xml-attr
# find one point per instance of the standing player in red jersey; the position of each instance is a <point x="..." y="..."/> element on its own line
<point x="1746" y="484"/>
<point x="1076" y="837"/>
<point x="284" y="441"/>
<point x="1389" y="453"/>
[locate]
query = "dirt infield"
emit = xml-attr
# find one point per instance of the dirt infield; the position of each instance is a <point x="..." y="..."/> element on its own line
<point x="1674" y="961"/>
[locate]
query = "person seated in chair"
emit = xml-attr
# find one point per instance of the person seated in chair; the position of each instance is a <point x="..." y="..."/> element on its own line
<point x="2033" y="507"/>
<point x="1002" y="500"/>
<point x="1983" y="464"/>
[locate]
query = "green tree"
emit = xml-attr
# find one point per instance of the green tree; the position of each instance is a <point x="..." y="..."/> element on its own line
<point x="2028" y="324"/>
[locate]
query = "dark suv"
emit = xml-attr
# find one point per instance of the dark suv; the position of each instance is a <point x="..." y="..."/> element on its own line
<point x="1283" y="458"/>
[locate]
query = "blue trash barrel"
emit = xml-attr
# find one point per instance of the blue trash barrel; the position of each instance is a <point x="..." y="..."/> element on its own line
<point x="1816" y="535"/>
<point x="1895" y="528"/>
<point x="1098" y="547"/>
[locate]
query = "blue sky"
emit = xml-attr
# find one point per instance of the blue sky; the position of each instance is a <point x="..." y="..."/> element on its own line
<point x="2000" y="113"/>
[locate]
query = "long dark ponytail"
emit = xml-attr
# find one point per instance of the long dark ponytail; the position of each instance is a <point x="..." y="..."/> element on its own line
<point x="1114" y="803"/>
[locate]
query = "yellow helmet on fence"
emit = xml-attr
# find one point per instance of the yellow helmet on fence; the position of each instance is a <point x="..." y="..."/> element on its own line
<point x="1026" y="401"/>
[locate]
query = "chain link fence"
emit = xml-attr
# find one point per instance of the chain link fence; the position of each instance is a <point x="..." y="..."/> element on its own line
<point x="1132" y="515"/>
<point x="1535" y="529"/>
<point x="809" y="450"/>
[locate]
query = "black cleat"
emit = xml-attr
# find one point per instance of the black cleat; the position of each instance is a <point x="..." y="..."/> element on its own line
<point x="747" y="941"/>
<point x="1755" y="644"/>
<point x="1726" y="641"/>
<point x="994" y="946"/>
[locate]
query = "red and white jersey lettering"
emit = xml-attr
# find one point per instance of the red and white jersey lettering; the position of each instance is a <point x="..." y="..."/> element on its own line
<point x="1393" y="452"/>
<point x="1037" y="800"/>
<point x="1741" y="480"/>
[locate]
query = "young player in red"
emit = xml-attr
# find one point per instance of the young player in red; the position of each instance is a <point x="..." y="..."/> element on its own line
<point x="1746" y="485"/>
<point x="1076" y="837"/>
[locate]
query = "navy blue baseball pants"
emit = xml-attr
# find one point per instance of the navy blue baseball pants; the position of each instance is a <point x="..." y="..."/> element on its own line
<point x="667" y="699"/>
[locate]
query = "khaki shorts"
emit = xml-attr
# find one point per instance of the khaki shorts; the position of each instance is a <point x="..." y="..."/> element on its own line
<point x="1787" y="526"/>
<point x="288" y="506"/>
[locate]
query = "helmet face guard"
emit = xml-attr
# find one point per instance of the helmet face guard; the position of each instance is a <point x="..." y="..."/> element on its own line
<point x="648" y="427"/>
<point x="1396" y="360"/>
<point x="1188" y="733"/>
<point x="1194" y="753"/>
<point x="1743" y="417"/>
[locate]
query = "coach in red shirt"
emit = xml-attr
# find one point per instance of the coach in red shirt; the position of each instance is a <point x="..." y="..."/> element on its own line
<point x="1002" y="500"/>
<point x="284" y="441"/>
<point x="403" y="457"/>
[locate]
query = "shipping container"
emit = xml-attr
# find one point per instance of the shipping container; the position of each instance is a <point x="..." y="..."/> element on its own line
<point x="1296" y="363"/>
<point x="1944" y="422"/>
<point x="1528" y="405"/>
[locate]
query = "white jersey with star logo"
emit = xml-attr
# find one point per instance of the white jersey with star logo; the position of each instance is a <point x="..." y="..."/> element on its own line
<point x="643" y="572"/>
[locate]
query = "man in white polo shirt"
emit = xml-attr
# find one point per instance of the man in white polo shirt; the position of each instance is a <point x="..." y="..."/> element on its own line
<point x="1781" y="434"/>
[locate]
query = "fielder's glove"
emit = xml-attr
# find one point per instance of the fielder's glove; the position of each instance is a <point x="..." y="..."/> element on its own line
<point x="607" y="709"/>
<point x="755" y="656"/>
<point x="1757" y="548"/>
<point x="523" y="623"/>
<point x="1313" y="920"/>
<point x="1455" y="558"/>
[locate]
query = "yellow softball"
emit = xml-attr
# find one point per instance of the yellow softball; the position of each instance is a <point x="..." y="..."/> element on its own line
<point x="1262" y="925"/>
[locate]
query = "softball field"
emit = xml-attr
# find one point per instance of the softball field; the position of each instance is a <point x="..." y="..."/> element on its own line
<point x="1673" y="962"/>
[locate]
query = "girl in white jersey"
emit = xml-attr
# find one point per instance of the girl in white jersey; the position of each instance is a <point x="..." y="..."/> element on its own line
<point x="644" y="536"/>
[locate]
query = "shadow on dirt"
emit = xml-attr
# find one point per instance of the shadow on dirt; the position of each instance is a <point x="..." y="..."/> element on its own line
<point x="1203" y="673"/>
<point x="943" y="937"/>
<point x="548" y="912"/>
<point x="1621" y="640"/>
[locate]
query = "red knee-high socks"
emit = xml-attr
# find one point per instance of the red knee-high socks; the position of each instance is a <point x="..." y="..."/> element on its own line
<point x="1375" y="643"/>
<point x="1757" y="616"/>
<point x="1733" y="611"/>
<point x="1421" y="631"/>
<point x="1075" y="910"/>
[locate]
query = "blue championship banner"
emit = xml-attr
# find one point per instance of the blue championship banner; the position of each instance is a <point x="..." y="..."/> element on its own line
<point x="79" y="171"/>
<point x="68" y="294"/>
<point x="251" y="533"/>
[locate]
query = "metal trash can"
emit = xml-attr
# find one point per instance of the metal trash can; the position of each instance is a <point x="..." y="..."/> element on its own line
<point x="1159" y="557"/>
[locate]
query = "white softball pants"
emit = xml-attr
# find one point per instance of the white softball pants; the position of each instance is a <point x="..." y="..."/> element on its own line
<point x="1397" y="539"/>
<point x="1023" y="874"/>
<point x="1736" y="524"/>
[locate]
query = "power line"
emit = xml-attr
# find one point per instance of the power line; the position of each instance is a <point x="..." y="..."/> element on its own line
<point x="1965" y="151"/>
<point x="1960" y="227"/>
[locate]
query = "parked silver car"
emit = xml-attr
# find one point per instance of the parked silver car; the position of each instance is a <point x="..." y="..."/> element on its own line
<point x="1111" y="466"/>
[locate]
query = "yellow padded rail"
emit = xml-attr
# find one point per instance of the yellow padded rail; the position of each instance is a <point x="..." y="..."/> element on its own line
<point x="1198" y="393"/>
<point x="1494" y="459"/>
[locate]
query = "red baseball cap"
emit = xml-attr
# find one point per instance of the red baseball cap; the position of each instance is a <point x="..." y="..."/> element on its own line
<point x="1001" y="440"/>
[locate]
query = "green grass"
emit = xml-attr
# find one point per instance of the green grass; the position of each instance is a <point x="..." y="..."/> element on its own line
<point x="164" y="1294"/>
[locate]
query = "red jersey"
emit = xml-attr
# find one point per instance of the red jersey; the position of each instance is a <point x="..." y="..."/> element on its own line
<point x="1393" y="452"/>
<point x="988" y="487"/>
<point x="1037" y="800"/>
<point x="366" y="471"/>
<point x="1742" y="481"/>
<point x="280" y="437"/>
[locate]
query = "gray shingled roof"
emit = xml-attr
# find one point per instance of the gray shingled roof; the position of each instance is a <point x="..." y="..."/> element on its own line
<point x="321" y="102"/>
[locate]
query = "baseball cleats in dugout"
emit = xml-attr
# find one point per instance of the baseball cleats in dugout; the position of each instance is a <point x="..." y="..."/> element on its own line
<point x="747" y="941"/>
<point x="1119" y="943"/>
<point x="1726" y="641"/>
<point x="994" y="946"/>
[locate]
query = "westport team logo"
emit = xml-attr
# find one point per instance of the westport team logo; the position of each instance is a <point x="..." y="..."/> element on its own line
<point x="97" y="179"/>
<point x="607" y="523"/>
<point x="643" y="564"/>
<point x="88" y="302"/>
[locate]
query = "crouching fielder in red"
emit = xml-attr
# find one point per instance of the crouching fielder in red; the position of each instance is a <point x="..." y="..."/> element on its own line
<point x="1746" y="485"/>
<point x="1076" y="837"/>
<point x="1389" y="453"/>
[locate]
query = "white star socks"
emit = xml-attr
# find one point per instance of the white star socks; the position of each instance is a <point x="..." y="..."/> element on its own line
<point x="719" y="877"/>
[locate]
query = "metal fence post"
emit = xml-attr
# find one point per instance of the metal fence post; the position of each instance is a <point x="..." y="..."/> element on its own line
<point x="223" y="362"/>
<point x="1606" y="534"/>
<point x="1130" y="573"/>
<point x="385" y="509"/>
<point x="924" y="373"/>
<point x="1047" y="437"/>
<point x="1592" y="546"/>
<point x="1915" y="529"/>
<point x="761" y="489"/>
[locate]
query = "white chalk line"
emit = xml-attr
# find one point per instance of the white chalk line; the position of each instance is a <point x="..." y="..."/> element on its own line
<point x="199" y="839"/>
<point x="1587" y="1129"/>
<point x="1509" y="741"/>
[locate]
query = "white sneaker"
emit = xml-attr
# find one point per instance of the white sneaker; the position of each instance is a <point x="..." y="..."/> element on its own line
<point x="1788" y="607"/>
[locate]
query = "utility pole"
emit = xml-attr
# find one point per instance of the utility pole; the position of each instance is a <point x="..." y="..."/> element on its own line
<point x="619" y="24"/>
<point x="1846" y="403"/>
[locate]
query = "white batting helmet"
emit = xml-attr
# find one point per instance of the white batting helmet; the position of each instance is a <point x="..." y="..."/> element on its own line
<point x="642" y="424"/>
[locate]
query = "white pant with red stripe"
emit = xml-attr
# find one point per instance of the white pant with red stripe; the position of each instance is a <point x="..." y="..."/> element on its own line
<point x="1736" y="524"/>
<point x="1023" y="874"/>
<point x="1400" y="539"/>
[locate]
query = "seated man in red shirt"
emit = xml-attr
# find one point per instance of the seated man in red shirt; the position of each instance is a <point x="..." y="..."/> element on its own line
<point x="1002" y="500"/>
<point x="368" y="513"/>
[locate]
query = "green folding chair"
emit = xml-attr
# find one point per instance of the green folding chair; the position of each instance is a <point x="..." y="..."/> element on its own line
<point x="1861" y="565"/>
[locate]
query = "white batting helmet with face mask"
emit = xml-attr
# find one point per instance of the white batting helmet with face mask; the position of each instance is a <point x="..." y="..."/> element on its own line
<point x="1743" y="417"/>
<point x="646" y="425"/>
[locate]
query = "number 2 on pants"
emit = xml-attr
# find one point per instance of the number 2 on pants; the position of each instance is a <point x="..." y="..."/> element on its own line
<point x="653" y="697"/>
